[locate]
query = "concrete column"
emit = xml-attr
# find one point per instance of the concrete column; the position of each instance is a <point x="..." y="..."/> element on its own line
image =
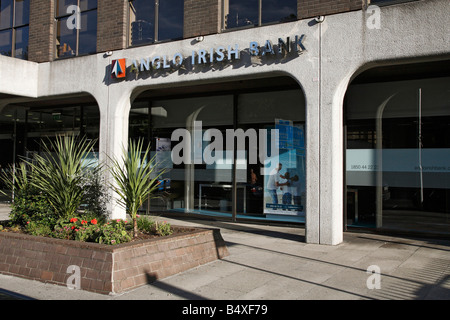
<point x="311" y="91"/>
<point x="114" y="139"/>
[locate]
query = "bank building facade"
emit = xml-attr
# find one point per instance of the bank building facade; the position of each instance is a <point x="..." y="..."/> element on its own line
<point x="336" y="113"/>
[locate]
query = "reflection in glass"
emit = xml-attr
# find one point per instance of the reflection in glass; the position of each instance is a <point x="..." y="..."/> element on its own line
<point x="88" y="33"/>
<point x="5" y="42"/>
<point x="397" y="170"/>
<point x="207" y="185"/>
<point x="86" y="5"/>
<point x="144" y="14"/>
<point x="6" y="14"/>
<point x="71" y="41"/>
<point x="241" y="13"/>
<point x="170" y="20"/>
<point x="22" y="14"/>
<point x="278" y="11"/>
<point x="23" y="128"/>
<point x="66" y="39"/>
<point x="62" y="5"/>
<point x="142" y="17"/>
<point x="21" y="45"/>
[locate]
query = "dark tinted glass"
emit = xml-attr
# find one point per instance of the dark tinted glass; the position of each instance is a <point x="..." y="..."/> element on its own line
<point x="142" y="17"/>
<point x="88" y="4"/>
<point x="22" y="12"/>
<point x="241" y="13"/>
<point x="62" y="5"/>
<point x="66" y="39"/>
<point x="88" y="33"/>
<point x="278" y="11"/>
<point x="170" y="19"/>
<point x="5" y="42"/>
<point x="6" y="13"/>
<point x="21" y="45"/>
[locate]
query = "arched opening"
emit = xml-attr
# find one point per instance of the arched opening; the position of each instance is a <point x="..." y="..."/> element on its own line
<point x="25" y="124"/>
<point x="397" y="128"/>
<point x="212" y="137"/>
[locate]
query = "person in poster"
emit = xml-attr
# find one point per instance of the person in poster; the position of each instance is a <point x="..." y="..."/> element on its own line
<point x="284" y="187"/>
<point x="274" y="182"/>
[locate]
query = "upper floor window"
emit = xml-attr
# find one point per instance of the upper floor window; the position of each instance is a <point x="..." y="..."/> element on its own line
<point x="14" y="28"/>
<point x="155" y="20"/>
<point x="76" y="27"/>
<point x="246" y="13"/>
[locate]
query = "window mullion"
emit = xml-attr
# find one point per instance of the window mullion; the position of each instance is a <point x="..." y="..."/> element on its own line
<point x="13" y="31"/>
<point x="259" y="12"/>
<point x="78" y="31"/>
<point x="156" y="19"/>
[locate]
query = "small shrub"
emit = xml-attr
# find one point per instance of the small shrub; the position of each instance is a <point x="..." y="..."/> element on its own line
<point x="114" y="232"/>
<point x="164" y="229"/>
<point x="81" y="229"/>
<point x="62" y="232"/>
<point x="146" y="225"/>
<point x="38" y="229"/>
<point x="76" y="228"/>
<point x="30" y="205"/>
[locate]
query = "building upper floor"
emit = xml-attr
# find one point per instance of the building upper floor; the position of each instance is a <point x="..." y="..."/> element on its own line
<point x="46" y="30"/>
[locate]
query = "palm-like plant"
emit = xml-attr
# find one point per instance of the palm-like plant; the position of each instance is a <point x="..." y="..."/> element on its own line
<point x="16" y="178"/>
<point x="59" y="174"/>
<point x="135" y="177"/>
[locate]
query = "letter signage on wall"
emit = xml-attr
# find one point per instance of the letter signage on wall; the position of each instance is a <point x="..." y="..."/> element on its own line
<point x="222" y="54"/>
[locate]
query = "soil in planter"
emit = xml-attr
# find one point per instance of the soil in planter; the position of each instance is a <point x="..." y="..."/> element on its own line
<point x="147" y="236"/>
<point x="140" y="236"/>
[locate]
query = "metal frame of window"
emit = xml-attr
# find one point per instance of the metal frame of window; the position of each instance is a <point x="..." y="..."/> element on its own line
<point x="66" y="15"/>
<point x="387" y="2"/>
<point x="13" y="28"/>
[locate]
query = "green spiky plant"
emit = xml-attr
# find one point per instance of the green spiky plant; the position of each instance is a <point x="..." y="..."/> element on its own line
<point x="135" y="177"/>
<point x="16" y="178"/>
<point x="59" y="173"/>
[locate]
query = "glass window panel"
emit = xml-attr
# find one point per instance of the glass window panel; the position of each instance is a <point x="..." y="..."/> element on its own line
<point x="6" y="13"/>
<point x="397" y="155"/>
<point x="285" y="111"/>
<point x="5" y="42"/>
<point x="66" y="39"/>
<point x="22" y="14"/>
<point x="193" y="186"/>
<point x="88" y="33"/>
<point x="170" y="19"/>
<point x="241" y="13"/>
<point x="278" y="11"/>
<point x="142" y="17"/>
<point x="88" y="4"/>
<point x="61" y="6"/>
<point x="21" y="45"/>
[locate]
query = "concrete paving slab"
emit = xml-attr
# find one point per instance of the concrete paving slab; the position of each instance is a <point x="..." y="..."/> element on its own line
<point x="265" y="263"/>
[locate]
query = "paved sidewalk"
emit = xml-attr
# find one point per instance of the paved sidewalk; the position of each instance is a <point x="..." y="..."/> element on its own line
<point x="271" y="263"/>
<point x="4" y="211"/>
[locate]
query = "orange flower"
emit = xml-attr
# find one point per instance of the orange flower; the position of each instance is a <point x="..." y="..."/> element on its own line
<point x="94" y="221"/>
<point x="83" y="221"/>
<point x="73" y="220"/>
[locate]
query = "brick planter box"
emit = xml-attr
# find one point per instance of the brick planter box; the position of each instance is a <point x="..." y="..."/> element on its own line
<point x="108" y="269"/>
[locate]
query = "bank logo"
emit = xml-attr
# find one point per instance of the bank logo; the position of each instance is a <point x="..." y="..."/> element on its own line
<point x="118" y="68"/>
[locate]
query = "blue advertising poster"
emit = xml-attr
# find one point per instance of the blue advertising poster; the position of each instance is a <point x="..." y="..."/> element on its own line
<point x="285" y="134"/>
<point x="284" y="187"/>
